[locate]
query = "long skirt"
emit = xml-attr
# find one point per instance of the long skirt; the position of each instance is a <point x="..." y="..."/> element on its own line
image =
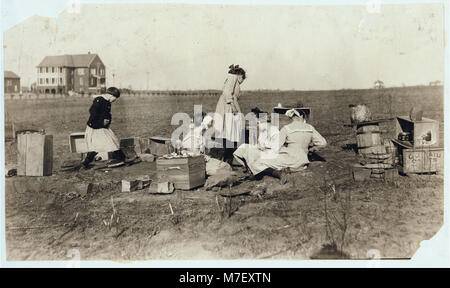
<point x="101" y="140"/>
<point x="253" y="157"/>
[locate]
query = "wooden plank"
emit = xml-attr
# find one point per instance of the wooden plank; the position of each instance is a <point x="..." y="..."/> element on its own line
<point x="48" y="155"/>
<point x="22" y="154"/>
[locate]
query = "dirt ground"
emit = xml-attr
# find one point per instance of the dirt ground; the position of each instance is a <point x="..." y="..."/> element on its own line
<point x="319" y="213"/>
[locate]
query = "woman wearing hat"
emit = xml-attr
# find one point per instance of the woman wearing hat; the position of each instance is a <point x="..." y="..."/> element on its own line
<point x="99" y="137"/>
<point x="229" y="122"/>
<point x="296" y="140"/>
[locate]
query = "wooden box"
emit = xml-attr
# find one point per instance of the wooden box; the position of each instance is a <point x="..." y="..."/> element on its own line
<point x="77" y="143"/>
<point x="419" y="160"/>
<point x="422" y="160"/>
<point x="35" y="154"/>
<point x="184" y="172"/>
<point x="424" y="133"/>
<point x="160" y="146"/>
<point x="139" y="145"/>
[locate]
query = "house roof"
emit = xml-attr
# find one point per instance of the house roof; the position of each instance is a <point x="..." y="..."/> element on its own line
<point x="10" y="74"/>
<point x="80" y="60"/>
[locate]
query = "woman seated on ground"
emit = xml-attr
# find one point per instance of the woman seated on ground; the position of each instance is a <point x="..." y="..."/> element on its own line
<point x="295" y="141"/>
<point x="267" y="146"/>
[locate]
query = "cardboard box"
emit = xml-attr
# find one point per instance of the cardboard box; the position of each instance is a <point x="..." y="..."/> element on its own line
<point x="35" y="154"/>
<point x="185" y="172"/>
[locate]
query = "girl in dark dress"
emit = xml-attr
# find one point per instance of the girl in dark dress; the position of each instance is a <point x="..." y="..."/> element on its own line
<point x="99" y="137"/>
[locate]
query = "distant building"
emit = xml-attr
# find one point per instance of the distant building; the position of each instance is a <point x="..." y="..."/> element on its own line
<point x="378" y="84"/>
<point x="12" y="82"/>
<point x="83" y="73"/>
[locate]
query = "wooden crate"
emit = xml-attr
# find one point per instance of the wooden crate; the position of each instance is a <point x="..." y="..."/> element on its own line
<point x="185" y="173"/>
<point x="422" y="160"/>
<point x="35" y="154"/>
<point x="139" y="145"/>
<point x="419" y="160"/>
<point x="160" y="146"/>
<point x="425" y="133"/>
<point x="77" y="143"/>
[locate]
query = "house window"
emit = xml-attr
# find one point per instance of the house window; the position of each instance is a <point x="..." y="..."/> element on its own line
<point x="93" y="71"/>
<point x="80" y="71"/>
<point x="46" y="81"/>
<point x="60" y="81"/>
<point x="40" y="70"/>
<point x="102" y="72"/>
<point x="46" y="69"/>
<point x="8" y="83"/>
<point x="53" y="80"/>
<point x="92" y="81"/>
<point x="81" y="81"/>
<point x="60" y="69"/>
<point x="53" y="69"/>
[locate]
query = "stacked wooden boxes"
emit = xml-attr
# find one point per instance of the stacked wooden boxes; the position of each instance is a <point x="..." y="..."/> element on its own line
<point x="378" y="164"/>
<point x="377" y="156"/>
<point x="35" y="154"/>
<point x="184" y="172"/>
<point x="420" y="153"/>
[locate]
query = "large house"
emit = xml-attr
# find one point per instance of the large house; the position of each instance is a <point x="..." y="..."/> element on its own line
<point x="83" y="73"/>
<point x="12" y="82"/>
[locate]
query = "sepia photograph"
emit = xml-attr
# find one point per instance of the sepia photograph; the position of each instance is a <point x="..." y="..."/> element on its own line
<point x="142" y="131"/>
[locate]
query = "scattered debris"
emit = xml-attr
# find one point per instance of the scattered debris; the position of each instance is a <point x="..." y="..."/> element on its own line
<point x="146" y="157"/>
<point x="161" y="188"/>
<point x="138" y="183"/>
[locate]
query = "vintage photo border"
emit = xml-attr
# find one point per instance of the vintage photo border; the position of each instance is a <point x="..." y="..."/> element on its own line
<point x="432" y="253"/>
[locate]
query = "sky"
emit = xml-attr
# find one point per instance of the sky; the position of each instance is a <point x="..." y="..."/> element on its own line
<point x="188" y="47"/>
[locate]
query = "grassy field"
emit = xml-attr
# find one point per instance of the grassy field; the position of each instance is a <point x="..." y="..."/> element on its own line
<point x="44" y="220"/>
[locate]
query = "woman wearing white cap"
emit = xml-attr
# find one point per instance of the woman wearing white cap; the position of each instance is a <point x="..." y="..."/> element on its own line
<point x="266" y="148"/>
<point x="296" y="140"/>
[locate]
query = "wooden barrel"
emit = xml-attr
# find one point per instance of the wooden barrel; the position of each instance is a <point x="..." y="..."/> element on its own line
<point x="368" y="136"/>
